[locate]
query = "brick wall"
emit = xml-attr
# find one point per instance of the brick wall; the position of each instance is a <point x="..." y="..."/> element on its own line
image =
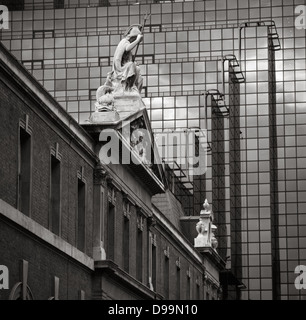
<point x="14" y="106"/>
<point x="45" y="262"/>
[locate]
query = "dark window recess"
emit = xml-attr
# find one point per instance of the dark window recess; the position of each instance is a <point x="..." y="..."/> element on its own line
<point x="126" y="244"/>
<point x="81" y="215"/>
<point x="111" y="232"/>
<point x="139" y="256"/>
<point x="55" y="196"/>
<point x="24" y="172"/>
<point x="163" y="1"/>
<point x="197" y="292"/>
<point x="13" y="5"/>
<point x="188" y="289"/>
<point x="178" y="284"/>
<point x="145" y="91"/>
<point x="104" y="3"/>
<point x="59" y="4"/>
<point x="166" y="278"/>
<point x="154" y="267"/>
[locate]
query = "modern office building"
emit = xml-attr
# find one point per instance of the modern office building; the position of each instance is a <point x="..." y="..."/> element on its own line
<point x="235" y="68"/>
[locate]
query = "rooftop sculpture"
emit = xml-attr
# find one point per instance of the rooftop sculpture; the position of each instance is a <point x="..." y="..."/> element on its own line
<point x="121" y="90"/>
<point x="206" y="228"/>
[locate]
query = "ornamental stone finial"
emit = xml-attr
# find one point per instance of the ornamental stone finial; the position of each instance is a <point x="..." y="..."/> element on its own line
<point x="206" y="205"/>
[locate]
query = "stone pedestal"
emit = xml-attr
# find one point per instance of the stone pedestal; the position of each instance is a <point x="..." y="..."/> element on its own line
<point x="104" y="117"/>
<point x="127" y="103"/>
<point x="99" y="253"/>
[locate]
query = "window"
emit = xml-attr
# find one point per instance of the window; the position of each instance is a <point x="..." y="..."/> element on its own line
<point x="104" y="3"/>
<point x="188" y="288"/>
<point x="81" y="215"/>
<point x="104" y="61"/>
<point x="13" y="5"/>
<point x="198" y="291"/>
<point x="154" y="266"/>
<point x="110" y="232"/>
<point x="126" y="244"/>
<point x="145" y="91"/>
<point x="33" y="64"/>
<point x="146" y="58"/>
<point x="24" y="172"/>
<point x="92" y="94"/>
<point x="178" y="283"/>
<point x="40" y="34"/>
<point x="153" y="28"/>
<point x="152" y="261"/>
<point x="59" y="4"/>
<point x="166" y="274"/>
<point x="55" y="196"/>
<point x="139" y="248"/>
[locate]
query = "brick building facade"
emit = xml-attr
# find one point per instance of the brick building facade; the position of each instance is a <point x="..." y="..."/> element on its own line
<point x="72" y="228"/>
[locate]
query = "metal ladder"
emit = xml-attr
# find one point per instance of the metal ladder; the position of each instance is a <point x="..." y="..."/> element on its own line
<point x="233" y="62"/>
<point x="221" y="109"/>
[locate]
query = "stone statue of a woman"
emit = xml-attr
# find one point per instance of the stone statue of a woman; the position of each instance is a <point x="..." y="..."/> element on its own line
<point x="125" y="71"/>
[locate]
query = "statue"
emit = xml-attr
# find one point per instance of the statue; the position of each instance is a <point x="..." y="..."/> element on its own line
<point x="125" y="78"/>
<point x="202" y="227"/>
<point x="105" y="97"/>
<point x="213" y="240"/>
<point x="125" y="71"/>
<point x="206" y="228"/>
<point x="120" y="94"/>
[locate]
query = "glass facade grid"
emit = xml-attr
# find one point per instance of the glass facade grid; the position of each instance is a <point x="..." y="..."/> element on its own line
<point x="70" y="52"/>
